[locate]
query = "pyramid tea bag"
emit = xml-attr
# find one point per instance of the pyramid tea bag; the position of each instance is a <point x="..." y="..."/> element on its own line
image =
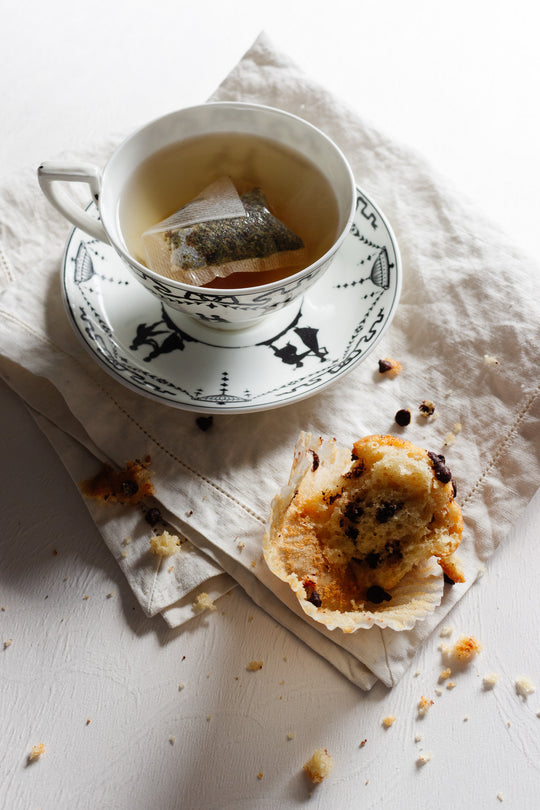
<point x="219" y="233"/>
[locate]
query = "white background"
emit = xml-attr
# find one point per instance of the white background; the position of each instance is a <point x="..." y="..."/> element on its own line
<point x="460" y="83"/>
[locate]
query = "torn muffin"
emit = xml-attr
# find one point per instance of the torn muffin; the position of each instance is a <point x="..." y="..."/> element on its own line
<point x="359" y="531"/>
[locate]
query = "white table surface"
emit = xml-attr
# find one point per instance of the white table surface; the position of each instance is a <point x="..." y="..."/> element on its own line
<point x="95" y="680"/>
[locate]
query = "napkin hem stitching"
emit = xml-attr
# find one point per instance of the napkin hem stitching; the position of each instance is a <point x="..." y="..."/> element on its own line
<point x="126" y="413"/>
<point x="503" y="445"/>
<point x="5" y="270"/>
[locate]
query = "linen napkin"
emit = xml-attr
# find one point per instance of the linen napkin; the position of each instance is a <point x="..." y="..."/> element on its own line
<point x="466" y="331"/>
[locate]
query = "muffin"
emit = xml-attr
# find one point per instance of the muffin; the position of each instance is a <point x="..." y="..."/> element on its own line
<point x="361" y="530"/>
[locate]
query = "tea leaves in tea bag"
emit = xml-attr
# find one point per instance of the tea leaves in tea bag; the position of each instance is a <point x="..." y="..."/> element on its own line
<point x="220" y="233"/>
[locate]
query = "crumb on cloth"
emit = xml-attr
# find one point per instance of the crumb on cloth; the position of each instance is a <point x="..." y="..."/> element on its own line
<point x="129" y="485"/>
<point x="203" y="602"/>
<point x="164" y="545"/>
<point x="390" y="367"/>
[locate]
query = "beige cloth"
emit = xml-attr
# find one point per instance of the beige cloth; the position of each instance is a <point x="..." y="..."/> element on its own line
<point x="467" y="294"/>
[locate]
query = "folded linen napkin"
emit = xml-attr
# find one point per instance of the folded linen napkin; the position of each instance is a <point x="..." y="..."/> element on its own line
<point x="468" y="297"/>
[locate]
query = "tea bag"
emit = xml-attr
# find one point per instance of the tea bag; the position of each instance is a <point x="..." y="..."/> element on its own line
<point x="219" y="233"/>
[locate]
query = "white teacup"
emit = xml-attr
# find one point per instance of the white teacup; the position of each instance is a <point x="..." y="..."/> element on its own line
<point x="219" y="308"/>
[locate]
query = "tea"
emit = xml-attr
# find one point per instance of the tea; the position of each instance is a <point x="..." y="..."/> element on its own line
<point x="297" y="193"/>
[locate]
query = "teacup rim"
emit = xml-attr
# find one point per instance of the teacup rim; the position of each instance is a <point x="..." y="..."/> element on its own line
<point x="232" y="291"/>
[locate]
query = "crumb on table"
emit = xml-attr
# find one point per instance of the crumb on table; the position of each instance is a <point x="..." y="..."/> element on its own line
<point x="389" y="720"/>
<point x="445" y="674"/>
<point x="490" y="680"/>
<point x="36" y="751"/>
<point x="424" y="705"/>
<point x="319" y="766"/>
<point x="254" y="666"/>
<point x="524" y="686"/>
<point x="466" y="648"/>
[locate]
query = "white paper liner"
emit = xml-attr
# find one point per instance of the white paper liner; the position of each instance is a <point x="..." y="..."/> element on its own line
<point x="413" y="598"/>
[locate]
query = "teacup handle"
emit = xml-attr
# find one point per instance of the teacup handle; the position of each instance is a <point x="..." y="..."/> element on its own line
<point x="48" y="176"/>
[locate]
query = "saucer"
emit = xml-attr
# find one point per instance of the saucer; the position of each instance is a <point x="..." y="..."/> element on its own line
<point x="288" y="356"/>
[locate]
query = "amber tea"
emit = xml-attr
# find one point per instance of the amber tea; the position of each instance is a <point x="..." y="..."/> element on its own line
<point x="296" y="191"/>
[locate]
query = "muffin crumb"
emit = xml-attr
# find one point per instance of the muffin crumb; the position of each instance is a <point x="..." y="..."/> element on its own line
<point x="389" y="367"/>
<point x="490" y="680"/>
<point x="524" y="686"/>
<point x="466" y="648"/>
<point x="202" y="602"/>
<point x="164" y="545"/>
<point x="445" y="674"/>
<point x="319" y="766"/>
<point x="424" y="705"/>
<point x="389" y="721"/>
<point x="254" y="666"/>
<point x="36" y="752"/>
<point x="128" y="485"/>
<point x="426" y="408"/>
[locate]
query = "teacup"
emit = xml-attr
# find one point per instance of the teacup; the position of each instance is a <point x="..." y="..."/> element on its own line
<point x="233" y="308"/>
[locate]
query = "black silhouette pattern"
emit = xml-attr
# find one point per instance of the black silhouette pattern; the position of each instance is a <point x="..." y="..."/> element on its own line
<point x="163" y="355"/>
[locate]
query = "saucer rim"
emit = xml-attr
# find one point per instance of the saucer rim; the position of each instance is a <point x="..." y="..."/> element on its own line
<point x="201" y="407"/>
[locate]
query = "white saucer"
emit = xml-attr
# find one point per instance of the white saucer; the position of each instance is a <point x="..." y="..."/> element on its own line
<point x="289" y="356"/>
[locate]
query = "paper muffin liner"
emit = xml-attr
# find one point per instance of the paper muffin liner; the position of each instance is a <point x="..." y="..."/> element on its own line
<point x="413" y="598"/>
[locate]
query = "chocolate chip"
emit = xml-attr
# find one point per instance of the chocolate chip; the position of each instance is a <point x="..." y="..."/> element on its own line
<point x="373" y="559"/>
<point x="384" y="366"/>
<point x="330" y="498"/>
<point x="353" y="511"/>
<point x="376" y="594"/>
<point x="356" y="470"/>
<point x="403" y="417"/>
<point x="129" y="488"/>
<point x="387" y="511"/>
<point x="153" y="516"/>
<point x="440" y="469"/>
<point x="351" y="532"/>
<point x="314" y="598"/>
<point x="204" y="422"/>
<point x="448" y="580"/>
<point x="426" y="408"/>
<point x="315" y="462"/>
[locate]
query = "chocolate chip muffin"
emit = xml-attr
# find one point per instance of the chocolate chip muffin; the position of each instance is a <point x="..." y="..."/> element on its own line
<point x="356" y="521"/>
